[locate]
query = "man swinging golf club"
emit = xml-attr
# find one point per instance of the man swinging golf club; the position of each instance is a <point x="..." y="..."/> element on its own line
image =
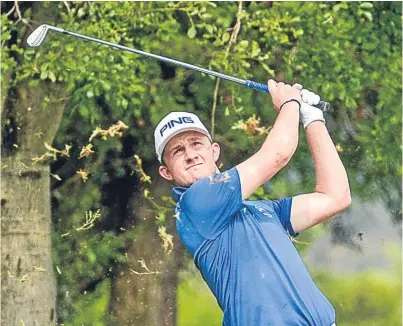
<point x="243" y="248"/>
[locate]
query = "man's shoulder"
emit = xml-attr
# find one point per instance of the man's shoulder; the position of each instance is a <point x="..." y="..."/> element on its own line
<point x="206" y="186"/>
<point x="219" y="194"/>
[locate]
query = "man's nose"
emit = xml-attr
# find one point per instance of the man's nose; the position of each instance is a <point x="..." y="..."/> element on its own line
<point x="191" y="155"/>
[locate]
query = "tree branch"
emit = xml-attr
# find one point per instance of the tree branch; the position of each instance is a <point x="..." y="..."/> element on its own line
<point x="17" y="8"/>
<point x="232" y="41"/>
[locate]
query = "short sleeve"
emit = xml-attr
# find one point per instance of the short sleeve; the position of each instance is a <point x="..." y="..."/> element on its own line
<point x="211" y="202"/>
<point x="283" y="209"/>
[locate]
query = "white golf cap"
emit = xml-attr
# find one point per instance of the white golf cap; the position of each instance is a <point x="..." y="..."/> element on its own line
<point x="173" y="124"/>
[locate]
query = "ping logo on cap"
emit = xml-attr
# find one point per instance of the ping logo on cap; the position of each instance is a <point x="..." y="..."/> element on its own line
<point x="171" y="123"/>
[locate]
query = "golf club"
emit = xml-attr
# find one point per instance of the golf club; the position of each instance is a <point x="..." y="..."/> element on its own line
<point x="37" y="37"/>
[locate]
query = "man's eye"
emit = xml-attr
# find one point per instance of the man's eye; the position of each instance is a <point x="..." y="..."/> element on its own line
<point x="178" y="151"/>
<point x="197" y="143"/>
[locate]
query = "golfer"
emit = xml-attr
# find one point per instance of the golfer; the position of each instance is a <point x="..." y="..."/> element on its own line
<point x="243" y="248"/>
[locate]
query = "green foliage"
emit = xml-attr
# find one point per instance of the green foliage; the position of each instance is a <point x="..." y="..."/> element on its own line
<point x="82" y="259"/>
<point x="196" y="304"/>
<point x="8" y="63"/>
<point x="92" y="307"/>
<point x="357" y="299"/>
<point x="368" y="298"/>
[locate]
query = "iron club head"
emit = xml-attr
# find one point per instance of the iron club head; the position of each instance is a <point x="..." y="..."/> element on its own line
<point x="38" y="36"/>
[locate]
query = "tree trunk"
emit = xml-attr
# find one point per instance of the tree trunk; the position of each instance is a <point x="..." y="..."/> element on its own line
<point x="28" y="289"/>
<point x="28" y="284"/>
<point x="148" y="299"/>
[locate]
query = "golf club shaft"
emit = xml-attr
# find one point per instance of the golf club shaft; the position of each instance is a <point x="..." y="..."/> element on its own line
<point x="324" y="106"/>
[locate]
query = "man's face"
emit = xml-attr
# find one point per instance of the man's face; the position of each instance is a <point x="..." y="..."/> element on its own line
<point x="188" y="157"/>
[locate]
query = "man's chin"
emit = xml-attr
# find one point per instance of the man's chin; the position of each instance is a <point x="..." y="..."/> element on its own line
<point x="195" y="177"/>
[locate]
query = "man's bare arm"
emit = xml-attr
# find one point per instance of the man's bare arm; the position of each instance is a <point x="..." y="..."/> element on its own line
<point x="279" y="145"/>
<point x="332" y="191"/>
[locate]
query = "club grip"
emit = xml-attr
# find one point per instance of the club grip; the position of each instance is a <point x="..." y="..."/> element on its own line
<point x="324" y="106"/>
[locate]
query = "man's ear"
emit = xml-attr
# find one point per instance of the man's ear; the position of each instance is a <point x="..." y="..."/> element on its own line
<point x="216" y="151"/>
<point x="165" y="173"/>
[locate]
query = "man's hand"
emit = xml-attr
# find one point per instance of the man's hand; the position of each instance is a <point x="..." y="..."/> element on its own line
<point x="281" y="93"/>
<point x="309" y="113"/>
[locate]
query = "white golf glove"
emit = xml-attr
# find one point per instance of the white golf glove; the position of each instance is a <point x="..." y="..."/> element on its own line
<point x="309" y="113"/>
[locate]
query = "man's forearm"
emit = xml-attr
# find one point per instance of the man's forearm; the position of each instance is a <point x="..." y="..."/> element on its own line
<point x="331" y="176"/>
<point x="279" y="145"/>
<point x="283" y="137"/>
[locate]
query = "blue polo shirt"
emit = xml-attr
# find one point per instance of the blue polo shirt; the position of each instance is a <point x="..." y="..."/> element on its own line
<point x="245" y="255"/>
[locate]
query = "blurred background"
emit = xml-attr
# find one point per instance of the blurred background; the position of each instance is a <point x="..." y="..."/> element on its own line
<point x="87" y="225"/>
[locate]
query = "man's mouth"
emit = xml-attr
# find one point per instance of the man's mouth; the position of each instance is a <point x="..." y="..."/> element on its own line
<point x="193" y="166"/>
